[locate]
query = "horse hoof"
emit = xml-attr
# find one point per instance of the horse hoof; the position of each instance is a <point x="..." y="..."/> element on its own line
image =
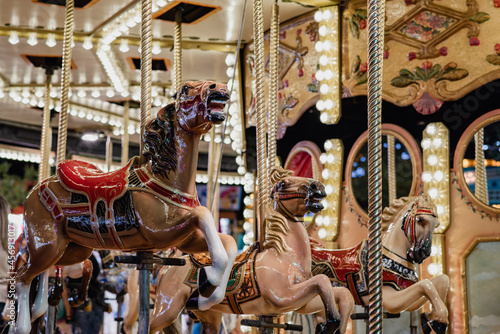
<point x="204" y="286"/>
<point x="328" y="327"/>
<point x="192" y="302"/>
<point x="432" y="325"/>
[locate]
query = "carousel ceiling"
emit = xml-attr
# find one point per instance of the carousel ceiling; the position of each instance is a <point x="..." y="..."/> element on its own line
<point x="106" y="40"/>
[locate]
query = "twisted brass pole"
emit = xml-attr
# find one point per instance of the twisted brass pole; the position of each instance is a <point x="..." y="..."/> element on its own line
<point x="376" y="10"/>
<point x="273" y="91"/>
<point x="125" y="137"/>
<point x="210" y="171"/>
<point x="65" y="72"/>
<point x="178" y="49"/>
<point x="481" y="189"/>
<point x="262" y="178"/>
<point x="43" y="168"/>
<point x="391" y="168"/>
<point x="109" y="152"/>
<point x="146" y="65"/>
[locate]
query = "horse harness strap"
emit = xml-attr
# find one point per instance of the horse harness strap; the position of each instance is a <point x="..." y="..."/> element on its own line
<point x="408" y="224"/>
<point x="279" y="197"/>
<point x="397" y="272"/>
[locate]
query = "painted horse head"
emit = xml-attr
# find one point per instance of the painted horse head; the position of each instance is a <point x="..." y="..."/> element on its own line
<point x="293" y="197"/>
<point x="418" y="221"/>
<point x="199" y="105"/>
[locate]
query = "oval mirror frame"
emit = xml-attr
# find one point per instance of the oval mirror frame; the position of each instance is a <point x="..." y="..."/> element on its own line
<point x="486" y="119"/>
<point x="413" y="150"/>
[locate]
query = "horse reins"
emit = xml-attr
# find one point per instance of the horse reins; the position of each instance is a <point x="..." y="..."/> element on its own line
<point x="408" y="225"/>
<point x="279" y="197"/>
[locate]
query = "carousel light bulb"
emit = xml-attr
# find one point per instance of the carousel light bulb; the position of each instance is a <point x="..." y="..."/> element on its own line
<point x="230" y="71"/>
<point x="324" y="89"/>
<point x="156" y="48"/>
<point x="434" y="250"/>
<point x="323" y="60"/>
<point x="431" y="129"/>
<point x="324" y="117"/>
<point x="437" y="142"/>
<point x="87" y="43"/>
<point x="327" y="221"/>
<point x="432" y="160"/>
<point x="329" y="104"/>
<point x="327" y="45"/>
<point x="439" y="209"/>
<point x="328" y="74"/>
<point x="323" y="31"/>
<point x="432" y="269"/>
<point x="328" y="145"/>
<point x="13" y="38"/>
<point x="322" y="233"/>
<point x="318" y="46"/>
<point x="433" y="193"/>
<point x="124" y="45"/>
<point x="230" y="59"/>
<point x="96" y="93"/>
<point x="438" y="176"/>
<point x="327" y="15"/>
<point x="81" y="93"/>
<point x="110" y="93"/>
<point x="51" y="40"/>
<point x="426" y="143"/>
<point x="32" y="40"/>
<point x="426" y="177"/>
<point x="318" y="16"/>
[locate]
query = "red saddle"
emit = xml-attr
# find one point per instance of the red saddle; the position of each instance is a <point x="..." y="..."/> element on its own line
<point x="85" y="178"/>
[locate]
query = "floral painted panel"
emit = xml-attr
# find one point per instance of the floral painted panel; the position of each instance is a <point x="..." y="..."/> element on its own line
<point x="427" y="25"/>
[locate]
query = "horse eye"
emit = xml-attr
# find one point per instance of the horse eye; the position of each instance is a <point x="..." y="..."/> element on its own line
<point x="419" y="219"/>
<point x="185" y="89"/>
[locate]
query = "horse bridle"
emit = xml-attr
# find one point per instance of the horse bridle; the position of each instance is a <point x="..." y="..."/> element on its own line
<point x="408" y="224"/>
<point x="279" y="197"/>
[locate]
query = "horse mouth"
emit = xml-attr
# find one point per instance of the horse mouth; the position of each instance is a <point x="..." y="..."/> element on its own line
<point x="215" y="105"/>
<point x="314" y="202"/>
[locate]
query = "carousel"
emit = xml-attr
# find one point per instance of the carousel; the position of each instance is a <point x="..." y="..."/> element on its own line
<point x="314" y="166"/>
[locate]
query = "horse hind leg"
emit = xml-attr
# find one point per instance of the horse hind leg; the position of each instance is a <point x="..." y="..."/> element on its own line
<point x="40" y="303"/>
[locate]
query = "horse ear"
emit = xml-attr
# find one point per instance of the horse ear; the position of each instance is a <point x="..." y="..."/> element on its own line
<point x="174" y="96"/>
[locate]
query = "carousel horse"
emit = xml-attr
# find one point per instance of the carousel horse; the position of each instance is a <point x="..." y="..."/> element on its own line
<point x="408" y="225"/>
<point x="273" y="281"/>
<point x="144" y="206"/>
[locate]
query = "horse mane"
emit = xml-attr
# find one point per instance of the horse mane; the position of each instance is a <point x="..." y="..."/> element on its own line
<point x="159" y="143"/>
<point x="393" y="209"/>
<point x="276" y="224"/>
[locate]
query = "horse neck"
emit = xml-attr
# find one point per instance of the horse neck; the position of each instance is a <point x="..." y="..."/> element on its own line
<point x="183" y="178"/>
<point x="298" y="240"/>
<point x="395" y="239"/>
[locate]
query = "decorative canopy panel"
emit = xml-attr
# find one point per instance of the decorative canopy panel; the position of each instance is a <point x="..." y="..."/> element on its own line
<point x="435" y="51"/>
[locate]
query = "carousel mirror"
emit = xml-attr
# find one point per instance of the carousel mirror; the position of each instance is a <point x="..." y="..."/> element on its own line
<point x="481" y="164"/>
<point x="400" y="167"/>
<point x="477" y="162"/>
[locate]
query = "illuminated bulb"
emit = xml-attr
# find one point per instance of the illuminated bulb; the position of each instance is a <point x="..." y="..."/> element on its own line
<point x="325" y="174"/>
<point x="230" y="71"/>
<point x="323" y="31"/>
<point x="438" y="176"/>
<point x="248" y="213"/>
<point x="156" y="48"/>
<point x="328" y="74"/>
<point x="432" y="160"/>
<point x="110" y="93"/>
<point x="328" y="145"/>
<point x="431" y="129"/>
<point x="324" y="117"/>
<point x="105" y="47"/>
<point x="324" y="89"/>
<point x="327" y="15"/>
<point x="426" y="177"/>
<point x="51" y="40"/>
<point x="81" y="93"/>
<point x="13" y="38"/>
<point x="323" y="60"/>
<point x="96" y="93"/>
<point x="432" y="269"/>
<point x="39" y="92"/>
<point x="318" y="46"/>
<point x="322" y="233"/>
<point x="318" y="16"/>
<point x="320" y="75"/>
<point x="53" y="94"/>
<point x="32" y="40"/>
<point x="437" y="142"/>
<point x="327" y="45"/>
<point x="440" y="209"/>
<point x="319" y="220"/>
<point x="87" y="43"/>
<point x="426" y="143"/>
<point x="230" y="59"/>
<point x="434" y="250"/>
<point x="124" y="45"/>
<point x="328" y="189"/>
<point x="322" y="158"/>
<point x="433" y="193"/>
<point x="329" y="104"/>
<point x="90" y="137"/>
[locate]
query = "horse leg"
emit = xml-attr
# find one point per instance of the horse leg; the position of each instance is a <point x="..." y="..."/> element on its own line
<point x="78" y="296"/>
<point x="398" y="301"/>
<point x="133" y="302"/>
<point x="171" y="296"/>
<point x="442" y="285"/>
<point x="210" y="321"/>
<point x="286" y="299"/>
<point x="40" y="303"/>
<point x="344" y="301"/>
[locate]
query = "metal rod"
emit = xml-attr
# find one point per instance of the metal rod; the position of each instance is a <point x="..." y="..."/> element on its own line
<point x="46" y="132"/>
<point x="481" y="189"/>
<point x="50" y="320"/>
<point x="109" y="152"/>
<point x="178" y="49"/>
<point x="144" y="301"/>
<point x="391" y="167"/>
<point x="146" y="66"/>
<point x="65" y="72"/>
<point x="376" y="15"/>
<point x="125" y="137"/>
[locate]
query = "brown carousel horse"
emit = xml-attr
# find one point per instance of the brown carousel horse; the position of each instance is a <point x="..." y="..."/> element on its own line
<point x="274" y="281"/>
<point x="408" y="225"/>
<point x="144" y="206"/>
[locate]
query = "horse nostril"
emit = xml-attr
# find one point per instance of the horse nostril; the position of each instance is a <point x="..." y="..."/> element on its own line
<point x="212" y="86"/>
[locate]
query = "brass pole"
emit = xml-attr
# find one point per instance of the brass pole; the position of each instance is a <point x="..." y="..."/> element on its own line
<point x="481" y="189"/>
<point x="178" y="49"/>
<point x="391" y="167"/>
<point x="43" y="169"/>
<point x="125" y="137"/>
<point x="146" y="66"/>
